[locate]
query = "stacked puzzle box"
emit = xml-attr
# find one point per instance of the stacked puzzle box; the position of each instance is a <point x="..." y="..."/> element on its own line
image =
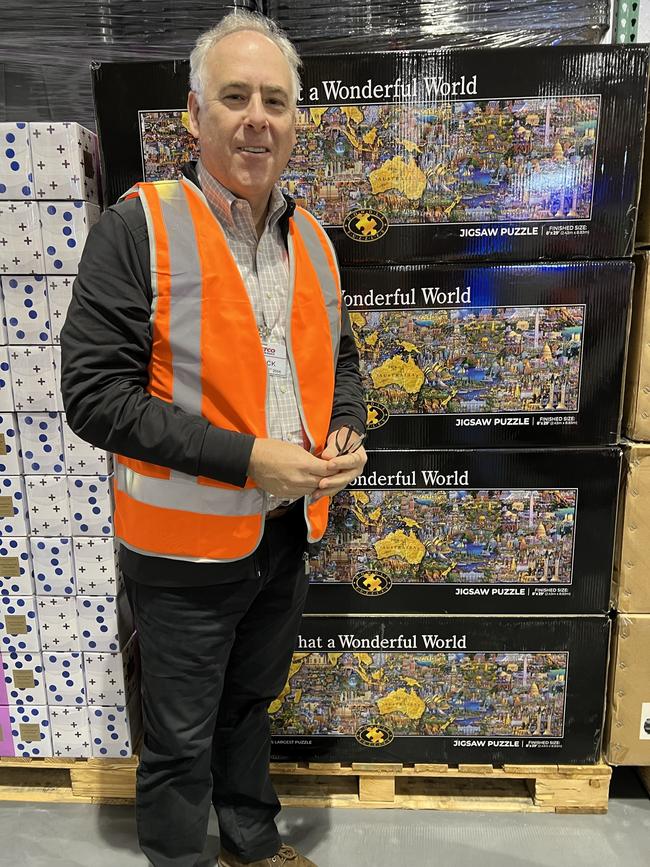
<point x="458" y="609"/>
<point x="68" y="663"/>
<point x="483" y="222"/>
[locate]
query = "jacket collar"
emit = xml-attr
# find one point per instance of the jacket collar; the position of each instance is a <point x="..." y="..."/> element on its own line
<point x="189" y="170"/>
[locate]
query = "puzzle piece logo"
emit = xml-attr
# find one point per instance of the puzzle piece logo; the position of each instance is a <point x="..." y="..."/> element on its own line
<point x="371" y="583"/>
<point x="374" y="736"/>
<point x="377" y="415"/>
<point x="365" y="224"/>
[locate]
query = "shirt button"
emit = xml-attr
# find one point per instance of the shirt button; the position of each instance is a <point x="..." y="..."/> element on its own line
<point x="269" y="295"/>
<point x="283" y="389"/>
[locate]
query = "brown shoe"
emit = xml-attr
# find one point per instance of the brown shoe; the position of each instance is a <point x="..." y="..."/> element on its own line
<point x="286" y="856"/>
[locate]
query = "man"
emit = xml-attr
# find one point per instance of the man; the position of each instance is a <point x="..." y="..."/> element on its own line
<point x="208" y="347"/>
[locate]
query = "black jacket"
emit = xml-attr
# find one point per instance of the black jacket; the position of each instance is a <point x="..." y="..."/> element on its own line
<point x="106" y="348"/>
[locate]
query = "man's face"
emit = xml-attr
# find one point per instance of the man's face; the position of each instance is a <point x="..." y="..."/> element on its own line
<point x="245" y="122"/>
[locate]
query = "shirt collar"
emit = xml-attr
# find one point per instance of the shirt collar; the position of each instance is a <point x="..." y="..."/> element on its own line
<point x="222" y="200"/>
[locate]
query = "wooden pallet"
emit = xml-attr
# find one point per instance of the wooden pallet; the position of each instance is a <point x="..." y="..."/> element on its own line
<point x="512" y="788"/>
<point x="73" y="781"/>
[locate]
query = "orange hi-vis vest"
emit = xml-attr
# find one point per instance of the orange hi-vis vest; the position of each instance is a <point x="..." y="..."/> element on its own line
<point x="207" y="358"/>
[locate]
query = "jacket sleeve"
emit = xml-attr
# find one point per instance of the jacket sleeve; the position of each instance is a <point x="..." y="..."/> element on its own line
<point x="106" y="348"/>
<point x="349" y="405"/>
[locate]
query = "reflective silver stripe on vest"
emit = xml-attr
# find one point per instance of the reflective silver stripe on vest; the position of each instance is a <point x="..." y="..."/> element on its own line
<point x="181" y="495"/>
<point x="186" y="296"/>
<point x="314" y="244"/>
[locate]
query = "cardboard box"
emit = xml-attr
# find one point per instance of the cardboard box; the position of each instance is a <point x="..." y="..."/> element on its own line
<point x="65" y="227"/>
<point x="58" y="625"/>
<point x="631" y="581"/>
<point x="41" y="442"/>
<point x="115" y="729"/>
<point x="627" y="739"/>
<point x="95" y="566"/>
<point x="25" y="731"/>
<point x="14" y="519"/>
<point x="491" y="355"/>
<point x="16" y="574"/>
<point x="16" y="177"/>
<point x="91" y="505"/>
<point x="444" y="689"/>
<point x="59" y="296"/>
<point x="636" y="410"/>
<point x="22" y="680"/>
<point x="6" y="390"/>
<point x="411" y="156"/>
<point x="49" y="505"/>
<point x="20" y="239"/>
<point x="463" y="532"/>
<point x="34" y="379"/>
<point x="643" y="221"/>
<point x="10" y="450"/>
<point x="54" y="573"/>
<point x="70" y="732"/>
<point x="106" y="622"/>
<point x="113" y="678"/>
<point x="19" y="625"/>
<point x="81" y="458"/>
<point x="3" y="320"/>
<point x="26" y="310"/>
<point x="64" y="676"/>
<point x="66" y="161"/>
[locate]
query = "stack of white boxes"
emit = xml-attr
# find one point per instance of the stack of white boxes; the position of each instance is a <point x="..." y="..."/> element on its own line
<point x="68" y="659"/>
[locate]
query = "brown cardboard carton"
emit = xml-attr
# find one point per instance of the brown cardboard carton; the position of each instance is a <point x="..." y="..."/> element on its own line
<point x="636" y="412"/>
<point x="627" y="740"/>
<point x="631" y="584"/>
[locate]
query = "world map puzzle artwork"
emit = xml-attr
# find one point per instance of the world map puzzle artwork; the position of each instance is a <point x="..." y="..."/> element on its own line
<point x="428" y="694"/>
<point x="450" y="537"/>
<point x="484" y="160"/>
<point x="471" y="360"/>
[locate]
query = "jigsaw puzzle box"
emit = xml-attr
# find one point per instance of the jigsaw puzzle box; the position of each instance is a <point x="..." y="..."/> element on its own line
<point x="491" y="355"/>
<point x="484" y="531"/>
<point x="444" y="689"/>
<point x="421" y="155"/>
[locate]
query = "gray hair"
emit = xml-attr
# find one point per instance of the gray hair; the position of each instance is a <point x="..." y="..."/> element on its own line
<point x="234" y="22"/>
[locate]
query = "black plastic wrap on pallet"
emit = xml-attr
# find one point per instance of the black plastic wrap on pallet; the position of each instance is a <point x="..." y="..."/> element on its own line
<point x="46" y="48"/>
<point x="322" y="26"/>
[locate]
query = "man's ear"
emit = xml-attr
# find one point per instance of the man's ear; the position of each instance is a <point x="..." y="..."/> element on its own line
<point x="193" y="109"/>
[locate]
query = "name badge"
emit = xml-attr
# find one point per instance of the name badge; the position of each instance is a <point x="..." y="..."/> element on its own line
<point x="276" y="358"/>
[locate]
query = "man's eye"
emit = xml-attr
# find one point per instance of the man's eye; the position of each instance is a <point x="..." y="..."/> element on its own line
<point x="234" y="96"/>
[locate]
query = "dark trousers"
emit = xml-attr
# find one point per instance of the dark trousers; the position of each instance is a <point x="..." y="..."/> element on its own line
<point x="213" y="658"/>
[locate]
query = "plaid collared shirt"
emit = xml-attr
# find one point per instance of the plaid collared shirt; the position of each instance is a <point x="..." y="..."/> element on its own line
<point x="264" y="266"/>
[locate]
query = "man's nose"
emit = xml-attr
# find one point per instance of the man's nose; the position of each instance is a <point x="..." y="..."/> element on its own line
<point x="256" y="112"/>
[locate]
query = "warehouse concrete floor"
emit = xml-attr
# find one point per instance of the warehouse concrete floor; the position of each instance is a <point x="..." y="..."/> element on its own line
<point x="42" y="835"/>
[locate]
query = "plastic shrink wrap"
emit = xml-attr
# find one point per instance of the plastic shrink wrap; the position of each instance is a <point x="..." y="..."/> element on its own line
<point x="46" y="47"/>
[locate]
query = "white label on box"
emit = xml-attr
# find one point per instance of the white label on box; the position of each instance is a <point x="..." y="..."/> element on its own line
<point x="644" y="733"/>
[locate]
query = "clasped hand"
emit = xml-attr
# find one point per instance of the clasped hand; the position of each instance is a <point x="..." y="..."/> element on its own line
<point x="289" y="472"/>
